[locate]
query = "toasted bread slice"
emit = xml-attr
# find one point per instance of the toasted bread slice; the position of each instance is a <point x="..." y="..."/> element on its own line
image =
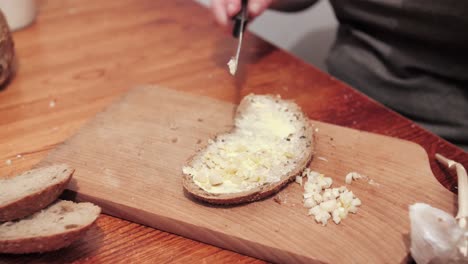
<point x="269" y="145"/>
<point x="54" y="227"/>
<point x="31" y="191"/>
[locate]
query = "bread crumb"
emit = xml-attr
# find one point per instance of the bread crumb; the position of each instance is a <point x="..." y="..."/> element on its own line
<point x="52" y="104"/>
<point x="316" y="130"/>
<point x="18" y="156"/>
<point x="280" y="199"/>
<point x="199" y="141"/>
<point x="174" y="140"/>
<point x="277" y="199"/>
<point x="8" y="162"/>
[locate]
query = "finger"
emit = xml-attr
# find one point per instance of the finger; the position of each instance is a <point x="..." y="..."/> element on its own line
<point x="233" y="7"/>
<point x="218" y="7"/>
<point x="256" y="7"/>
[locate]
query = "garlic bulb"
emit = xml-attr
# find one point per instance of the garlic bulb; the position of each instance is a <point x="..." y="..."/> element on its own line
<point x="436" y="236"/>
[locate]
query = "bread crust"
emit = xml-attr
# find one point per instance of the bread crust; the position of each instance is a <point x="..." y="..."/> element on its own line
<point x="264" y="190"/>
<point x="34" y="202"/>
<point x="7" y="53"/>
<point x="41" y="244"/>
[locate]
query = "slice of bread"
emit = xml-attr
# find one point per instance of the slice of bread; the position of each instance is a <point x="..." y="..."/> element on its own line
<point x="269" y="145"/>
<point x="7" y="52"/>
<point x="31" y="191"/>
<point x="54" y="227"/>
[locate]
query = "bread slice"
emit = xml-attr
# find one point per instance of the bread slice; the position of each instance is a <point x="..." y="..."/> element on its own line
<point x="7" y="52"/>
<point x="32" y="190"/>
<point x="54" y="227"/>
<point x="269" y="145"/>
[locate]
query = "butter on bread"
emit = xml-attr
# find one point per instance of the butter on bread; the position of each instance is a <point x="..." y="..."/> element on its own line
<point x="271" y="143"/>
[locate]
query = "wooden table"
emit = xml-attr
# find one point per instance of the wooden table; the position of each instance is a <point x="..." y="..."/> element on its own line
<point x="81" y="55"/>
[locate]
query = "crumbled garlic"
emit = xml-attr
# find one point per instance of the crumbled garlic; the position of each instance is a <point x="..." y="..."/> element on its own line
<point x="308" y="195"/>
<point x="310" y="187"/>
<point x="317" y="197"/>
<point x="232" y="66"/>
<point x="327" y="195"/>
<point x="215" y="179"/>
<point x="356" y="202"/>
<point x="352" y="176"/>
<point x="201" y="178"/>
<point x="372" y="182"/>
<point x="322" y="217"/>
<point x="328" y="206"/>
<point x="309" y="203"/>
<point x="352" y="209"/>
<point x="336" y="216"/>
<point x="299" y="180"/>
<point x="322" y="159"/>
<point x="325" y="202"/>
<point x="335" y="192"/>
<point x="342" y="213"/>
<point x="315" y="210"/>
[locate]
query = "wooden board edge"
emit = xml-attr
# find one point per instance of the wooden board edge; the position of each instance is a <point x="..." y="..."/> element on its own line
<point x="185" y="229"/>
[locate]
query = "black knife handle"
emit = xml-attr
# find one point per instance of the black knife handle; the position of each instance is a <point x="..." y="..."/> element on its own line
<point x="238" y="19"/>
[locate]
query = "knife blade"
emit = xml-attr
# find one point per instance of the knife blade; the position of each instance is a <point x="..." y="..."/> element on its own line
<point x="240" y="21"/>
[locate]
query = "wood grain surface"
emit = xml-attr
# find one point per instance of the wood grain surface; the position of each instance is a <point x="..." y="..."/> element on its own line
<point x="81" y="55"/>
<point x="128" y="160"/>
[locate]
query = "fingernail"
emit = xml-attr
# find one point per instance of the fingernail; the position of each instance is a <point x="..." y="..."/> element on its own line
<point x="231" y="8"/>
<point x="255" y="8"/>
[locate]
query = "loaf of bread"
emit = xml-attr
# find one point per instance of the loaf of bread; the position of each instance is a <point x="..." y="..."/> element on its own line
<point x="270" y="144"/>
<point x="54" y="227"/>
<point x="32" y="190"/>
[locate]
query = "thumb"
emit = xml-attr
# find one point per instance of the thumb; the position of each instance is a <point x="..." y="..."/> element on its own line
<point x="256" y="7"/>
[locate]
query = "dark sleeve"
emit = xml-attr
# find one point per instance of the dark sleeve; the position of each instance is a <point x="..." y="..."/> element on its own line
<point x="291" y="5"/>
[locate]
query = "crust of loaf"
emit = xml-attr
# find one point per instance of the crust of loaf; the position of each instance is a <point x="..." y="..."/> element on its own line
<point x="42" y="244"/>
<point x="34" y="202"/>
<point x="260" y="192"/>
<point x="7" y="53"/>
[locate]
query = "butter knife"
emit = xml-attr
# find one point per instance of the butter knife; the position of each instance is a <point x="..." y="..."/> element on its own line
<point x="240" y="21"/>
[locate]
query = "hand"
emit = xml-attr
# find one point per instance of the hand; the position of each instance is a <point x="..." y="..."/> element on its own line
<point x="224" y="10"/>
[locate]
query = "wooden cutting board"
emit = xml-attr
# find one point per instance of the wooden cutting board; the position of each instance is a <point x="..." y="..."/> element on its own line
<point x="128" y="160"/>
